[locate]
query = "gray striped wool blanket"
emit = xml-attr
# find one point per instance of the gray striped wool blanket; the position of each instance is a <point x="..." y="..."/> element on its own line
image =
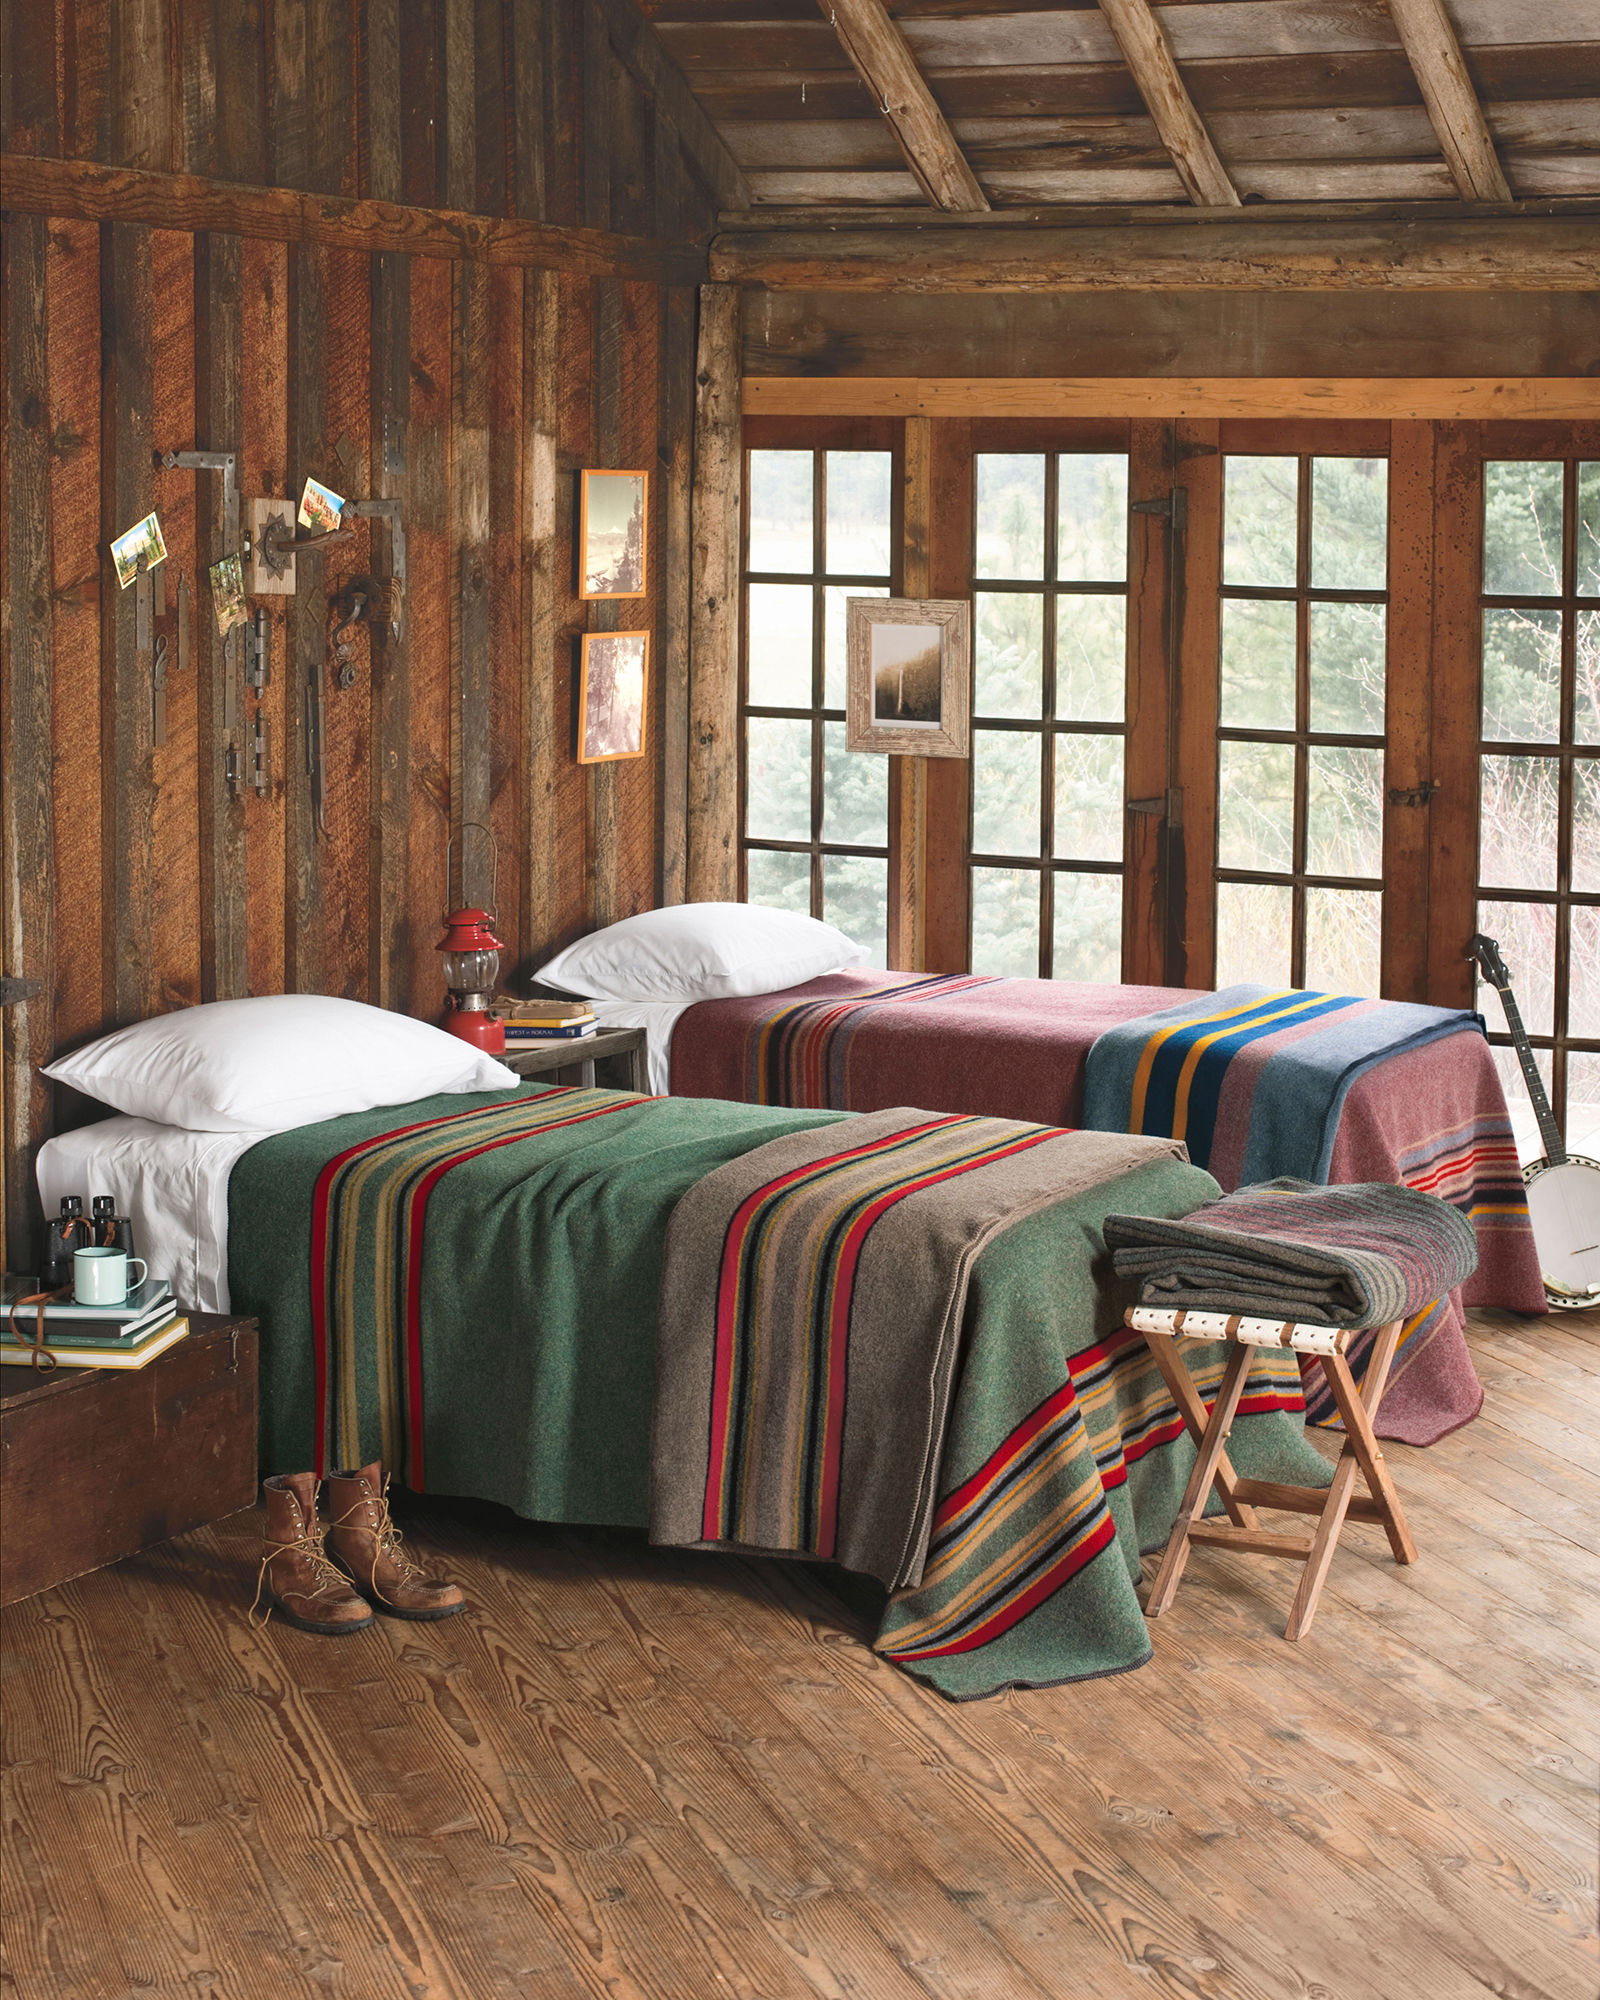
<point x="1354" y="1256"/>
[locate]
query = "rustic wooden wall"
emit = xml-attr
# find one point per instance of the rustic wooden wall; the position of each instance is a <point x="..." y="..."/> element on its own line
<point x="470" y="390"/>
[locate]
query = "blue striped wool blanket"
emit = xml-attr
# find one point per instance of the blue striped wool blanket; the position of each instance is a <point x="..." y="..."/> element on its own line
<point x="1253" y="1078"/>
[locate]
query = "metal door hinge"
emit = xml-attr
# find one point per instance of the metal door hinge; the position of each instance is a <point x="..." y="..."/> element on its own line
<point x="1414" y="795"/>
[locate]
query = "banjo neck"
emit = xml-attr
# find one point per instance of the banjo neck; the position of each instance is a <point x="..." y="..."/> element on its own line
<point x="1487" y="953"/>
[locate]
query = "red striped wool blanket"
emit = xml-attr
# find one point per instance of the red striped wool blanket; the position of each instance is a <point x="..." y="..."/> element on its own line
<point x="823" y="1390"/>
<point x="1432" y="1117"/>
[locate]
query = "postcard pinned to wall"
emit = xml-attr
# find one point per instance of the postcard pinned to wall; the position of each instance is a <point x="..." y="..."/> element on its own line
<point x="143" y="539"/>
<point x="320" y="507"/>
<point x="227" y="594"/>
<point x="611" y="696"/>
<point x="908" y="664"/>
<point x="612" y="535"/>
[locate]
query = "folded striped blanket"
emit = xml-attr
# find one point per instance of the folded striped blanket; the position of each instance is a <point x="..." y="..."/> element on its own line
<point x="1334" y="1256"/>
<point x="1253" y="1078"/>
<point x="811" y="1308"/>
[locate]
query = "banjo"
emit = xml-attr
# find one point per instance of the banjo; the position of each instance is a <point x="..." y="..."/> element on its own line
<point x="1563" y="1188"/>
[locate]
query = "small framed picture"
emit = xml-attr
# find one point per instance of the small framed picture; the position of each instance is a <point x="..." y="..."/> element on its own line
<point x="908" y="662"/>
<point x="611" y="696"/>
<point x="611" y="533"/>
<point x="143" y="539"/>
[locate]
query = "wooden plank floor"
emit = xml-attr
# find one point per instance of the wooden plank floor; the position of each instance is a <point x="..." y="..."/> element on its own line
<point x="627" y="1773"/>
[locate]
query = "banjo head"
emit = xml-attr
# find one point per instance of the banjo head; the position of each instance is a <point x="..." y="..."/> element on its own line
<point x="1564" y="1207"/>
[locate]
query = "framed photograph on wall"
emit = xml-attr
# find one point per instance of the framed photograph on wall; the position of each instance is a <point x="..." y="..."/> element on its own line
<point x="611" y="696"/>
<point x="612" y="537"/>
<point x="909" y="660"/>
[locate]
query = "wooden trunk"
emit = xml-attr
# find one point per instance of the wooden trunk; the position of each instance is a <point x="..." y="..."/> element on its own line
<point x="96" y="1463"/>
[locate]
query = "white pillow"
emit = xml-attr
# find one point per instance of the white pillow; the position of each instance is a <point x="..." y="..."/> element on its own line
<point x="267" y="1064"/>
<point x="700" y="951"/>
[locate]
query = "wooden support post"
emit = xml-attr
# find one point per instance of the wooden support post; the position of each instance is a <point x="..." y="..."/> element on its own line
<point x="674" y="540"/>
<point x="469" y="511"/>
<point x="224" y="891"/>
<point x="602" y="780"/>
<point x="908" y="776"/>
<point x="305" y="646"/>
<point x="543" y="591"/>
<point x="391" y="947"/>
<point x="1409" y="671"/>
<point x="127" y="494"/>
<point x="713" y="790"/>
<point x="27" y="833"/>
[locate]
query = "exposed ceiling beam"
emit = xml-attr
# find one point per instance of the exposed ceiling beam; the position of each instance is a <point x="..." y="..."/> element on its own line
<point x="1182" y="130"/>
<point x="1443" y="254"/>
<point x="33" y="185"/>
<point x="888" y="69"/>
<point x="1379" y="398"/>
<point x="1434" y="53"/>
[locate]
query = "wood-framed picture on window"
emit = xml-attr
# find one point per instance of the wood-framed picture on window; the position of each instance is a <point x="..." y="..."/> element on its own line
<point x="612" y="538"/>
<point x="611" y="696"/>
<point x="909" y="662"/>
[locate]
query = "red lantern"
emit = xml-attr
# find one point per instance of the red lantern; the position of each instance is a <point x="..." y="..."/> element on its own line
<point x="471" y="967"/>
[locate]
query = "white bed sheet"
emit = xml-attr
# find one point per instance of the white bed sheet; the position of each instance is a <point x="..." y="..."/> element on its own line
<point x="171" y="1183"/>
<point x="658" y="1018"/>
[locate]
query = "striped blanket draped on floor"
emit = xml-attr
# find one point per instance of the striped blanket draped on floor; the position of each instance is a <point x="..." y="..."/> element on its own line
<point x="813" y="1300"/>
<point x="368" y="1221"/>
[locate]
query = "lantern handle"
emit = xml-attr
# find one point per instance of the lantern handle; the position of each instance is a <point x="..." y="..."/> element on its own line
<point x="494" y="867"/>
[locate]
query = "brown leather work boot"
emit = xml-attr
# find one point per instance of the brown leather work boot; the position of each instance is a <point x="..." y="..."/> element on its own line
<point x="296" y="1578"/>
<point x="366" y="1544"/>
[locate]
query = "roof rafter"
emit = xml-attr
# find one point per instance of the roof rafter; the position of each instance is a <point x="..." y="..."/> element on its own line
<point x="1148" y="54"/>
<point x="1434" y="52"/>
<point x="889" y="70"/>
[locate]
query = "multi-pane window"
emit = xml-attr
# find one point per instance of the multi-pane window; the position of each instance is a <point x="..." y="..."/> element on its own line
<point x="1049" y="675"/>
<point x="815" y="815"/>
<point x="1539" y="838"/>
<point x="1300" y="772"/>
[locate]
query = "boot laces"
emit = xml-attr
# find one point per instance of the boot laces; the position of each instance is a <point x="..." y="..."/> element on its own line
<point x="387" y="1536"/>
<point x="308" y="1545"/>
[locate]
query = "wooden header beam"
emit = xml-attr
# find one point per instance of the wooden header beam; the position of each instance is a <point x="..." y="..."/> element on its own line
<point x="889" y="70"/>
<point x="1451" y="253"/>
<point x="85" y="191"/>
<point x="1148" y="54"/>
<point x="1431" y="47"/>
<point x="1385" y="398"/>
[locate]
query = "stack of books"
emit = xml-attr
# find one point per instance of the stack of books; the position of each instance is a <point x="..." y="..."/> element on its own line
<point x="548" y="1021"/>
<point x="126" y="1336"/>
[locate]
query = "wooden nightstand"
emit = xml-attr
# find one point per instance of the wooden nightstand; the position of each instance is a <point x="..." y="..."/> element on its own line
<point x="96" y="1463"/>
<point x="620" y="1050"/>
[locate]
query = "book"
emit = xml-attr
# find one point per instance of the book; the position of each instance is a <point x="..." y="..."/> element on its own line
<point x="549" y="1013"/>
<point x="138" y="1354"/>
<point x="520" y="1031"/>
<point x="140" y="1303"/>
<point x="68" y="1332"/>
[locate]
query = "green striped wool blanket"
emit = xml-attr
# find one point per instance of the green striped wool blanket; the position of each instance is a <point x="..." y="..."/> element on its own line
<point x="472" y="1295"/>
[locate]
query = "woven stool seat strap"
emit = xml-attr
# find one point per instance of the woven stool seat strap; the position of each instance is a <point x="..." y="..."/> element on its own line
<point x="1241" y="1329"/>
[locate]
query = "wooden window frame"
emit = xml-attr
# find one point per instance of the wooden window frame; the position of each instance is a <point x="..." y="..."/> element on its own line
<point x="819" y="438"/>
<point x="1060" y="439"/>
<point x="1302" y="737"/>
<point x="1559" y="1043"/>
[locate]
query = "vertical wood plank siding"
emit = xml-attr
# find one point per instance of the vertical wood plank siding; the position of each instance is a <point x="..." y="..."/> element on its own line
<point x="140" y="879"/>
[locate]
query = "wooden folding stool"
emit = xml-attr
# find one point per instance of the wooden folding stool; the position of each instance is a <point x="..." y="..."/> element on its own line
<point x="1240" y="1497"/>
